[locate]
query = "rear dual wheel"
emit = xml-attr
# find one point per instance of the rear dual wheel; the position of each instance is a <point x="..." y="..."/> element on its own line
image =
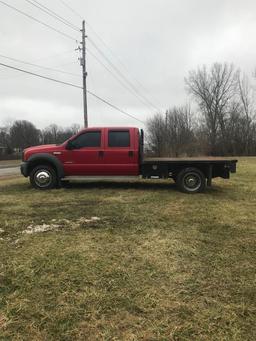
<point x="191" y="180"/>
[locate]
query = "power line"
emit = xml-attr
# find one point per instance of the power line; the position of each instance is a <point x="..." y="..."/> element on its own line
<point x="39" y="66"/>
<point x="124" y="66"/>
<point x="117" y="58"/>
<point x="116" y="77"/>
<point x="114" y="107"/>
<point x="57" y="15"/>
<point x="48" y="11"/>
<point x="45" y="58"/>
<point x="38" y="21"/>
<point x="75" y="86"/>
<point x="111" y="51"/>
<point x="40" y="76"/>
<point x="71" y="9"/>
<point x="53" y="14"/>
<point x="122" y="75"/>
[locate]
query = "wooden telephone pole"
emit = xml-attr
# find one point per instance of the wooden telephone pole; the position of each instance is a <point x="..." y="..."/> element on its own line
<point x="84" y="73"/>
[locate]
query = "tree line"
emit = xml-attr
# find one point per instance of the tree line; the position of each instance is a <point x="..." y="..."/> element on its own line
<point x="22" y="134"/>
<point x="221" y="120"/>
<point x="223" y="123"/>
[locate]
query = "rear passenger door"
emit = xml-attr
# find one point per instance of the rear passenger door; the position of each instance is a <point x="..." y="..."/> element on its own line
<point x="120" y="157"/>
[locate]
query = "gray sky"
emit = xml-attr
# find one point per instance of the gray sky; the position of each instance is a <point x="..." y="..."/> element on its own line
<point x="158" y="41"/>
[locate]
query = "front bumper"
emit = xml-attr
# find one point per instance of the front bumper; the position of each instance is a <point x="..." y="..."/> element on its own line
<point x="24" y="169"/>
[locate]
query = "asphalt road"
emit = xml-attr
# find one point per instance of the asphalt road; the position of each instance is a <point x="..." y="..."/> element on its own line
<point x="10" y="171"/>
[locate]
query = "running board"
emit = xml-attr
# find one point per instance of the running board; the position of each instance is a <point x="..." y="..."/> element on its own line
<point x="100" y="178"/>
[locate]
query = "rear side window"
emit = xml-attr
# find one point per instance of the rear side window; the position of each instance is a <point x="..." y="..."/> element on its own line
<point x="119" y="138"/>
<point x="88" y="139"/>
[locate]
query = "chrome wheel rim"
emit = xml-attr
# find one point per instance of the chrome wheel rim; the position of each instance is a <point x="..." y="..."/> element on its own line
<point x="192" y="182"/>
<point x="43" y="178"/>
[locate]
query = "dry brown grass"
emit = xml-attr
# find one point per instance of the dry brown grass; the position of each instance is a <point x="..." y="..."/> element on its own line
<point x="158" y="265"/>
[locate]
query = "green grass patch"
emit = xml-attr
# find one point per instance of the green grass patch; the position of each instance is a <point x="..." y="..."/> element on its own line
<point x="158" y="265"/>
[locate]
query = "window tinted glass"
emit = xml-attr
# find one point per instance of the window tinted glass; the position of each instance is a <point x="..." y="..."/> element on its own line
<point x="89" y="139"/>
<point x="118" y="139"/>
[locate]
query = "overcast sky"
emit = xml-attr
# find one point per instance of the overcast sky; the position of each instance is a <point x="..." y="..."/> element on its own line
<point x="157" y="41"/>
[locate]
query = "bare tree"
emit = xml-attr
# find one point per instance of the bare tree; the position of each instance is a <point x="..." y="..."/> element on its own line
<point x="50" y="134"/>
<point x="171" y="135"/>
<point x="74" y="128"/>
<point x="21" y="134"/>
<point x="24" y="134"/>
<point x="247" y="101"/>
<point x="5" y="141"/>
<point x="179" y="132"/>
<point x="54" y="134"/>
<point x="156" y="135"/>
<point x="214" y="90"/>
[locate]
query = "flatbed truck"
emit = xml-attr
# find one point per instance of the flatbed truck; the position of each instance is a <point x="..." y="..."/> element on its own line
<point x="116" y="153"/>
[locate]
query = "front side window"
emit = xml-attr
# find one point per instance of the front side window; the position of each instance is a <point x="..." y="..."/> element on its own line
<point x="88" y="139"/>
<point x="119" y="138"/>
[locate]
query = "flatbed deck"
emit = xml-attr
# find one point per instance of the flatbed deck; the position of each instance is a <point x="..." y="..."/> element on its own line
<point x="211" y="167"/>
<point x="189" y="160"/>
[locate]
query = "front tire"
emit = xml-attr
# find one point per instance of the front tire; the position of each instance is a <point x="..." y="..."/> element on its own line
<point x="43" y="177"/>
<point x="191" y="180"/>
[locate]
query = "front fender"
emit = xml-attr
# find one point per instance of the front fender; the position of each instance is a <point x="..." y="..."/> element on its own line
<point x="40" y="158"/>
<point x="24" y="169"/>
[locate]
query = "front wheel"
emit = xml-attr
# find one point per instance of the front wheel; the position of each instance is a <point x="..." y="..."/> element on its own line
<point x="43" y="177"/>
<point x="191" y="180"/>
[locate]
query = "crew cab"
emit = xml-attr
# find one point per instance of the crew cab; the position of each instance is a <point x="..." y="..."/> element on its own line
<point x="111" y="153"/>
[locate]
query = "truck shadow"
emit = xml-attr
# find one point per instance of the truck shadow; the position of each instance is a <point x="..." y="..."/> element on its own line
<point x="143" y="185"/>
<point x="140" y="185"/>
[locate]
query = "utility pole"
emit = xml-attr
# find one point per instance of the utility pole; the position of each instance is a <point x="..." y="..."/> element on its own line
<point x="83" y="64"/>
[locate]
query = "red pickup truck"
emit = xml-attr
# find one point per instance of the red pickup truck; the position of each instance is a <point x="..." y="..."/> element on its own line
<point x="116" y="152"/>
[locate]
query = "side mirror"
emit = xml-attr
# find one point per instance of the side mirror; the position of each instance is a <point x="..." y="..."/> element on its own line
<point x="70" y="145"/>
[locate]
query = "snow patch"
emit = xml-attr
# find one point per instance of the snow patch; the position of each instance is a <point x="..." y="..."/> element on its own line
<point x="56" y="224"/>
<point x="40" y="228"/>
<point x="85" y="220"/>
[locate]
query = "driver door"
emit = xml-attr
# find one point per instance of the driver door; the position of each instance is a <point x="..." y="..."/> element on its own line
<point x="86" y="156"/>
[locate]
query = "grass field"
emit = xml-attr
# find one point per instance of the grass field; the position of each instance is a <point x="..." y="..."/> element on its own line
<point x="136" y="261"/>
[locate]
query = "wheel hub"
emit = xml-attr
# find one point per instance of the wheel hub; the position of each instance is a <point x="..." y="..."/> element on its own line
<point x="42" y="178"/>
<point x="192" y="182"/>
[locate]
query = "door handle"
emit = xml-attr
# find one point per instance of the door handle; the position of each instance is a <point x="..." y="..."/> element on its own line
<point x="101" y="153"/>
<point x="130" y="153"/>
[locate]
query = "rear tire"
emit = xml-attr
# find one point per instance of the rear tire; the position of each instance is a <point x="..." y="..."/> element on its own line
<point x="191" y="180"/>
<point x="43" y="177"/>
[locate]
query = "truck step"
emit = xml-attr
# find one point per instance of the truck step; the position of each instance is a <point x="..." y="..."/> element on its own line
<point x="100" y="178"/>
